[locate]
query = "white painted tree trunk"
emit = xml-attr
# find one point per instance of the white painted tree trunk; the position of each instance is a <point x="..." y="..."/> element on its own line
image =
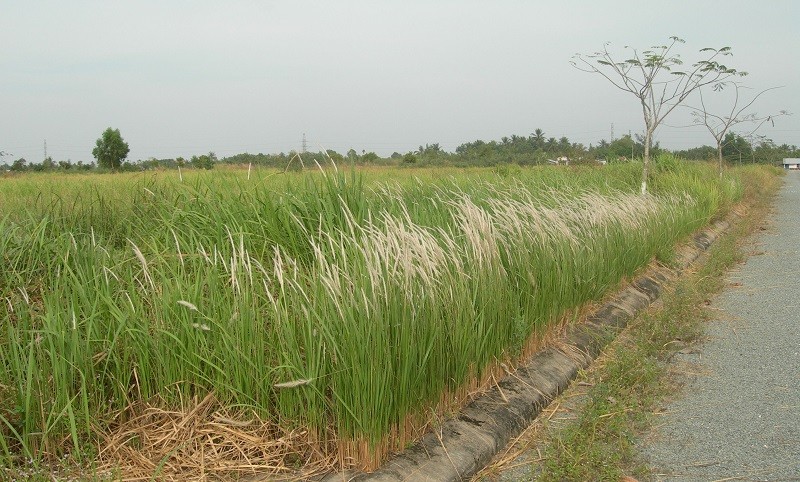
<point x="648" y="137"/>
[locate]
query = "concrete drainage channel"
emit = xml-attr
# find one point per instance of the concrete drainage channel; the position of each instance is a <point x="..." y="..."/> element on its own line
<point x="466" y="443"/>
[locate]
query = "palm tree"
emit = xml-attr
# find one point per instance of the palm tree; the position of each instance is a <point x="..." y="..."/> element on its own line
<point x="538" y="138"/>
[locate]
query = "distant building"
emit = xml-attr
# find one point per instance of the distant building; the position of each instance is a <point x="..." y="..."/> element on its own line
<point x="791" y="163"/>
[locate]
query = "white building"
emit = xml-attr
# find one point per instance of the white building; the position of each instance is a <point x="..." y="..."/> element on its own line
<point x="791" y="163"/>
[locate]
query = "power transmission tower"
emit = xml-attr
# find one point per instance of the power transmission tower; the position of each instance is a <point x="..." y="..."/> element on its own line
<point x="305" y="145"/>
<point x="45" y="148"/>
<point x="612" y="132"/>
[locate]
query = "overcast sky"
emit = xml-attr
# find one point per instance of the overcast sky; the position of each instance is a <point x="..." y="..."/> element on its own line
<point x="187" y="77"/>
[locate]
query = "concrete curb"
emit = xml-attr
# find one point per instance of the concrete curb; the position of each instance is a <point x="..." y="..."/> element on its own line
<point x="462" y="446"/>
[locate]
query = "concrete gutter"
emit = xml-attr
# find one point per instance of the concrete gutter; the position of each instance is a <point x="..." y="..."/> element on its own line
<point x="462" y="446"/>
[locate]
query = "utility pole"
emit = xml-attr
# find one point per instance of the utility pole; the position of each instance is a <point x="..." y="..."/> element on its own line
<point x="305" y="145"/>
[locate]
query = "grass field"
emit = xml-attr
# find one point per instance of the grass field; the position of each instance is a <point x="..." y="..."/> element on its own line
<point x="341" y="308"/>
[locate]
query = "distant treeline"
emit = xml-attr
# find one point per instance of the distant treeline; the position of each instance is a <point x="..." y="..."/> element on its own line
<point x="535" y="149"/>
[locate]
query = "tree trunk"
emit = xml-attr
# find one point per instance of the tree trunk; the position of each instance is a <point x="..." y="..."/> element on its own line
<point x="719" y="155"/>
<point x="648" y="136"/>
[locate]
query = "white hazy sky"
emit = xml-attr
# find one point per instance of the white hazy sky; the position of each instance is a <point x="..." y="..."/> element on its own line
<point x="186" y="77"/>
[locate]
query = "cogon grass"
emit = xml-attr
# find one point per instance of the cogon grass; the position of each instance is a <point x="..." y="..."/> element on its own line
<point x="324" y="301"/>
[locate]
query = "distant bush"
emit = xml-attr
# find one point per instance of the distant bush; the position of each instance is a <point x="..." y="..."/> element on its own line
<point x="409" y="158"/>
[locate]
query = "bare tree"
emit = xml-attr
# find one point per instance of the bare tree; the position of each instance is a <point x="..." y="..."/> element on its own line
<point x="652" y="77"/>
<point x="719" y="124"/>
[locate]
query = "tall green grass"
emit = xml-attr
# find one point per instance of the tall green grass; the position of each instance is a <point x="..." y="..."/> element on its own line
<point x="340" y="302"/>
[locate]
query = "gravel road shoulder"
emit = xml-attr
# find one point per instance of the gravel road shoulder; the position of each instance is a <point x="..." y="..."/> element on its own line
<point x="738" y="417"/>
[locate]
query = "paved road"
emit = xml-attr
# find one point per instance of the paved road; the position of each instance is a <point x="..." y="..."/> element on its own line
<point x="739" y="416"/>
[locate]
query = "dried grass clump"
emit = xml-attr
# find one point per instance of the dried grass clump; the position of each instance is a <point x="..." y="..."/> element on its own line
<point x="206" y="441"/>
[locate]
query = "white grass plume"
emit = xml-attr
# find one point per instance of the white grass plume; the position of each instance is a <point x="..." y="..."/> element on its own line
<point x="294" y="383"/>
<point x="187" y="304"/>
<point x="143" y="262"/>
